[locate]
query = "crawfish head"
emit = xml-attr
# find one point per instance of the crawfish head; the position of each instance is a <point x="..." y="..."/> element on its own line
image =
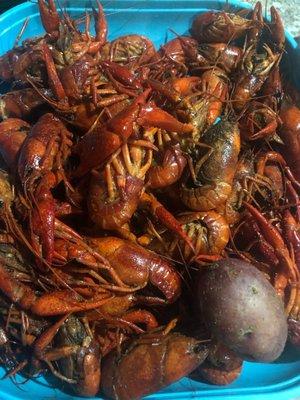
<point x="149" y="364"/>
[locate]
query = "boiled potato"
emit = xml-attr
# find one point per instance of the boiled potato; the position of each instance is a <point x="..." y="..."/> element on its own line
<point x="242" y="310"/>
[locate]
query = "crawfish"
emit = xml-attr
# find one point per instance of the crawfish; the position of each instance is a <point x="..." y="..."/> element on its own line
<point x="199" y="108"/>
<point x="71" y="250"/>
<point x="218" y="27"/>
<point x="74" y="350"/>
<point x="82" y="367"/>
<point x="76" y="90"/>
<point x="260" y="68"/>
<point x="69" y="41"/>
<point x="129" y="50"/>
<point x="74" y="75"/>
<point x="259" y="122"/>
<point x="7" y="200"/>
<point x="197" y="100"/>
<point x="58" y="302"/>
<point x="286" y="266"/>
<point x="22" y="104"/>
<point x="173" y="58"/>
<point x="138" y="266"/>
<point x="113" y="207"/>
<point x="72" y="45"/>
<point x="290" y="228"/>
<point x="172" y="356"/>
<point x="115" y="193"/>
<point x="254" y="70"/>
<point x="222" y="55"/>
<point x="23" y="62"/>
<point x="264" y="169"/>
<point x="213" y="172"/>
<point x="208" y="231"/>
<point x="111" y="136"/>
<point x="253" y="179"/>
<point x="40" y="168"/>
<point x="112" y="204"/>
<point x="169" y="170"/>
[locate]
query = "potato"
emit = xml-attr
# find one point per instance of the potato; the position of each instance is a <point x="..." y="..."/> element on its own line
<point x="242" y="310"/>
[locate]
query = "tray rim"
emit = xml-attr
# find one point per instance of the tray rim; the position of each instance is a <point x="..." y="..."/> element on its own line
<point x="289" y="387"/>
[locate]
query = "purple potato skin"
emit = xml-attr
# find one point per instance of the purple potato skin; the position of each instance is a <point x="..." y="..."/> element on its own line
<point x="242" y="310"/>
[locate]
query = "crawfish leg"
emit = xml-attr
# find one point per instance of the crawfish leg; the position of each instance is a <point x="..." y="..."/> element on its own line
<point x="166" y="218"/>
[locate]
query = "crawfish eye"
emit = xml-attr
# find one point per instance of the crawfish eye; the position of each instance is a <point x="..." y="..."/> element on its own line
<point x="1" y="203"/>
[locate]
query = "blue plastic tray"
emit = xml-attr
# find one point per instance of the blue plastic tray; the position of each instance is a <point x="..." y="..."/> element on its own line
<point x="153" y="18"/>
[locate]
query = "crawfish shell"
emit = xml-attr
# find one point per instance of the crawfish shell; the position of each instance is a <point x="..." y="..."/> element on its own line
<point x="144" y="368"/>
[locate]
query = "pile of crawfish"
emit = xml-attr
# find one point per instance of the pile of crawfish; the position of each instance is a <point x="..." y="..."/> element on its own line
<point x="126" y="171"/>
